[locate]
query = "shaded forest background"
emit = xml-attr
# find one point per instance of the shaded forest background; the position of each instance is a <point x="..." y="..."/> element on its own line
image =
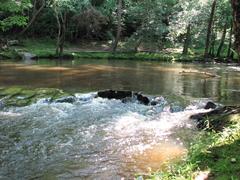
<point x="208" y="27"/>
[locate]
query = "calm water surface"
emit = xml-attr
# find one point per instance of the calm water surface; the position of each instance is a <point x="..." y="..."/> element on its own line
<point x="149" y="77"/>
<point x="95" y="138"/>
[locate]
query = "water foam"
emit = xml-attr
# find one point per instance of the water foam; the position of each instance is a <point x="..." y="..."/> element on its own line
<point x="91" y="137"/>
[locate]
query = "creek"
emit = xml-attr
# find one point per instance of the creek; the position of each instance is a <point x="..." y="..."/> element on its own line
<point x="95" y="138"/>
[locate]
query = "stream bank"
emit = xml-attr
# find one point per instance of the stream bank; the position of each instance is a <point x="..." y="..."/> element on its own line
<point x="215" y="153"/>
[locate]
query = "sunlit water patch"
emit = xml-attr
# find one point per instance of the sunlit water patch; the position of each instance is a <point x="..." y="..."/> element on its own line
<point x="234" y="68"/>
<point x="93" y="138"/>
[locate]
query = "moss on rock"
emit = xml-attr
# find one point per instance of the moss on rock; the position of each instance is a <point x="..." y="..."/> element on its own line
<point x="17" y="96"/>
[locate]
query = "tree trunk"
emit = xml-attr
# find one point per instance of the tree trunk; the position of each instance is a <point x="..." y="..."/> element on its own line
<point x="222" y="40"/>
<point x="212" y="47"/>
<point x="139" y="41"/>
<point x="187" y="40"/>
<point x="211" y="52"/>
<point x="236" y="25"/>
<point x="62" y="40"/>
<point x="59" y="33"/>
<point x="209" y="30"/>
<point x="34" y="15"/>
<point x="61" y="22"/>
<point x="119" y="27"/>
<point x="229" y="53"/>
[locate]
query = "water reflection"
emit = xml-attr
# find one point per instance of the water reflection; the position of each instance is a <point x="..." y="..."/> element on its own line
<point x="149" y="77"/>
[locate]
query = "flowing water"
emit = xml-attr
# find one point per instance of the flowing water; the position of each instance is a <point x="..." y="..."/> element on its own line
<point x="96" y="138"/>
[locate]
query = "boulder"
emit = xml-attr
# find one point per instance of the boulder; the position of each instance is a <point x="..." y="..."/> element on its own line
<point x="125" y="96"/>
<point x="210" y="105"/>
<point x="142" y="99"/>
<point x="111" y="94"/>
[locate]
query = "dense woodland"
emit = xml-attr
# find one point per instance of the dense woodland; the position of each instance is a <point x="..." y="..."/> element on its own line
<point x="211" y="27"/>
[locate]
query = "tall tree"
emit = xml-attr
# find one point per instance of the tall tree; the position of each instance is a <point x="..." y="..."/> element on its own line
<point x="38" y="6"/>
<point x="187" y="40"/>
<point x="119" y="25"/>
<point x="149" y="20"/>
<point x="188" y="20"/>
<point x="222" y="40"/>
<point x="63" y="11"/>
<point x="236" y="25"/>
<point x="209" y="29"/>
<point x="229" y="52"/>
<point x="61" y="22"/>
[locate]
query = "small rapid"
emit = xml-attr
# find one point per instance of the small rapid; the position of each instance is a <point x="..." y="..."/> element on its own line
<point x="92" y="138"/>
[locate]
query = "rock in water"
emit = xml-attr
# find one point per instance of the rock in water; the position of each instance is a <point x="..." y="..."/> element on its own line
<point x="210" y="105"/>
<point x="142" y="99"/>
<point x="218" y="118"/>
<point x="154" y="103"/>
<point x="111" y="94"/>
<point x="125" y="96"/>
<point x="156" y="100"/>
<point x="68" y="99"/>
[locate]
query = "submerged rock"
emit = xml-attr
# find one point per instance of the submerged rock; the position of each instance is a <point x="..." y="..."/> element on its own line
<point x="157" y="100"/>
<point x="67" y="99"/>
<point x="17" y="96"/>
<point x="218" y="118"/>
<point x="154" y="103"/>
<point x="175" y="108"/>
<point x="128" y="100"/>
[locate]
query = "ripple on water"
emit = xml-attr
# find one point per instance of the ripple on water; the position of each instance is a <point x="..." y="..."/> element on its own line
<point x="92" y="138"/>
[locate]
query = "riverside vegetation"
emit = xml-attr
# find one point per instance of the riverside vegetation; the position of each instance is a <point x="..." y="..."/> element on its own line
<point x="214" y="154"/>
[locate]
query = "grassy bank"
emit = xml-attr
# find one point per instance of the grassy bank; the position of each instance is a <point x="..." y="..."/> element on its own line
<point x="45" y="48"/>
<point x="214" y="155"/>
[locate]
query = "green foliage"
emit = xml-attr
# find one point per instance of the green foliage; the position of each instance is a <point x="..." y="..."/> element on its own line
<point x="70" y="5"/>
<point x="153" y="25"/>
<point x="16" y="20"/>
<point x="150" y="18"/>
<point x="11" y="13"/>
